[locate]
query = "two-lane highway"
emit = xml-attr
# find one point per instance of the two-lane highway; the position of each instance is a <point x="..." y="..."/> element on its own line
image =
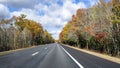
<point x="47" y="56"/>
<point x="53" y="56"/>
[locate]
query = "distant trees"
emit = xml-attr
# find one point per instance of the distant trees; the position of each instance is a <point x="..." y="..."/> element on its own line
<point x="19" y="32"/>
<point x="96" y="28"/>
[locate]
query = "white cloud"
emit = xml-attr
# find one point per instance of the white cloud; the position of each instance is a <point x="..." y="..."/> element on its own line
<point x="20" y="3"/>
<point x="4" y="12"/>
<point x="3" y="0"/>
<point x="31" y="14"/>
<point x="55" y="32"/>
<point x="49" y="13"/>
<point x="54" y="17"/>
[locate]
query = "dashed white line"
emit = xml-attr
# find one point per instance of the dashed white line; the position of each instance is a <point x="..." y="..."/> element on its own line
<point x="73" y="59"/>
<point x="35" y="53"/>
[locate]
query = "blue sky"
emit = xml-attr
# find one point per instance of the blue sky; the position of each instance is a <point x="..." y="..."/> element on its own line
<point x="52" y="14"/>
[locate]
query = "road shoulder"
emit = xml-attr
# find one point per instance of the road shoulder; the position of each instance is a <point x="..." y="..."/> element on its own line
<point x="104" y="56"/>
<point x="12" y="51"/>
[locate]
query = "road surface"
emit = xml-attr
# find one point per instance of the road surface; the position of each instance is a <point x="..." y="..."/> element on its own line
<point x="53" y="56"/>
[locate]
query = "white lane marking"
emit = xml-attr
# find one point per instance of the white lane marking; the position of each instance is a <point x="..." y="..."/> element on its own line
<point x="73" y="59"/>
<point x="35" y="53"/>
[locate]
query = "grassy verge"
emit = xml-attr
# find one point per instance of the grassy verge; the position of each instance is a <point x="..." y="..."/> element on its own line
<point x="104" y="56"/>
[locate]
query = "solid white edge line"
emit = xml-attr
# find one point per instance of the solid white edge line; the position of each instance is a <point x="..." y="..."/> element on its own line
<point x="35" y="53"/>
<point x="73" y="59"/>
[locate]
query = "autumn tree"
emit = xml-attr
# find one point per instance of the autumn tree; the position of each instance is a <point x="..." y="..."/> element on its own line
<point x="96" y="28"/>
<point x="19" y="32"/>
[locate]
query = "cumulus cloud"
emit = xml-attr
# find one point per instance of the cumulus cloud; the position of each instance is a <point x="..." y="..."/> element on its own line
<point x="20" y="3"/>
<point x="4" y="12"/>
<point x="31" y="14"/>
<point x="54" y="16"/>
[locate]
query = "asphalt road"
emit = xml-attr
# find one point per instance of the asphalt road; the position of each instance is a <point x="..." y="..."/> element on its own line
<point x="53" y="56"/>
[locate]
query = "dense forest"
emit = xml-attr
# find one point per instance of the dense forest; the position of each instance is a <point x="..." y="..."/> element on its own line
<point x="19" y="32"/>
<point x="95" y="28"/>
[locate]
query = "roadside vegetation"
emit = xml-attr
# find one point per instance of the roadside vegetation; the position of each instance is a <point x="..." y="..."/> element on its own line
<point x="19" y="32"/>
<point x="96" y="28"/>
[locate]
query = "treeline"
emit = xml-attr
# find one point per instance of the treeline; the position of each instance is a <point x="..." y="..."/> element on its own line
<point x="96" y="28"/>
<point x="19" y="32"/>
